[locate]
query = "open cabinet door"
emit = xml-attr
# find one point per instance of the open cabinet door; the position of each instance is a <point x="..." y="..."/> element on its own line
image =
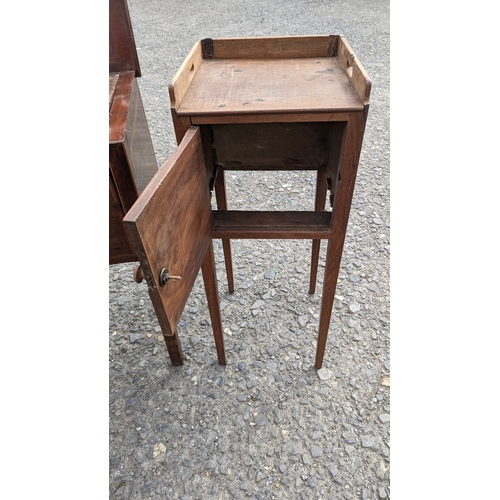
<point x="171" y="226"/>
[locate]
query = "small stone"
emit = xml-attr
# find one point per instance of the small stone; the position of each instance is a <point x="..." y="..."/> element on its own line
<point x="384" y="417"/>
<point x="257" y="304"/>
<point x="349" y="449"/>
<point x="158" y="449"/>
<point x="354" y="307"/>
<point x="251" y="383"/>
<point x="302" y="320"/>
<point x="269" y="274"/>
<point x="313" y="482"/>
<point x="259" y="476"/>
<point x="349" y="437"/>
<point x="367" y="441"/>
<point x="242" y="366"/>
<point x="382" y="493"/>
<point x="333" y="471"/>
<point x="386" y="381"/>
<point x="381" y="471"/>
<point x="316" y="452"/>
<point x="324" y="374"/>
<point x="121" y="301"/>
<point x="134" y="337"/>
<point x="245" y="486"/>
<point x="260" y="421"/>
<point x="271" y="367"/>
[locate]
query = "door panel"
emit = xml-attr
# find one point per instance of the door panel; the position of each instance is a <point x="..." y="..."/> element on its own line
<point x="171" y="227"/>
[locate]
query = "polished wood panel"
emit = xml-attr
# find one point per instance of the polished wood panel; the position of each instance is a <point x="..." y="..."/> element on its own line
<point x="122" y="49"/>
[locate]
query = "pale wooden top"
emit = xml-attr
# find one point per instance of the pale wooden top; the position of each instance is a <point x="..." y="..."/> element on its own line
<point x="254" y="86"/>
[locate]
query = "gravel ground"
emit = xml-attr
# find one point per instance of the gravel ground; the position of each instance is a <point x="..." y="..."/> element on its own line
<point x="267" y="425"/>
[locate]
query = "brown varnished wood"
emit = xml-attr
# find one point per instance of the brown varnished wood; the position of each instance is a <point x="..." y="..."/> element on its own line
<point x="273" y="47"/>
<point x="271" y="225"/>
<point x="221" y="198"/>
<point x="132" y="161"/>
<point x="174" y="349"/>
<point x="271" y="146"/>
<point x="211" y="290"/>
<point x="122" y="48"/>
<point x="120" y="104"/>
<point x="120" y="247"/>
<point x="123" y="180"/>
<point x="319" y="206"/>
<point x="171" y="227"/>
<point x="253" y="86"/>
<point x="341" y="209"/>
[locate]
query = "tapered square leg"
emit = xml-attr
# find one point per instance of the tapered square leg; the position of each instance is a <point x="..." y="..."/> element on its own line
<point x="212" y="292"/>
<point x="345" y="190"/>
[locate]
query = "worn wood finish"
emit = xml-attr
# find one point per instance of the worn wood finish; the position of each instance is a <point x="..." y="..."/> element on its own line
<point x="354" y="71"/>
<point x="348" y="171"/>
<point x="122" y="49"/>
<point x="184" y="75"/>
<point x="337" y="139"/>
<point x="267" y="118"/>
<point x="249" y="86"/>
<point x="271" y="146"/>
<point x="119" y="106"/>
<point x="171" y="227"/>
<point x="211" y="290"/>
<point x="319" y="206"/>
<point x="272" y="47"/>
<point x="271" y="225"/>
<point x="221" y="197"/>
<point x="247" y="94"/>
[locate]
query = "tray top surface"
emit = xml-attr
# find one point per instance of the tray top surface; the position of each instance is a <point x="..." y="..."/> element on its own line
<point x="249" y="86"/>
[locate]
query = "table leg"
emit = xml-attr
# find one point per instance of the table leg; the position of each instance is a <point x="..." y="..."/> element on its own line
<point x="319" y="206"/>
<point x="221" y="198"/>
<point x="212" y="292"/>
<point x="345" y="190"/>
<point x="174" y="349"/>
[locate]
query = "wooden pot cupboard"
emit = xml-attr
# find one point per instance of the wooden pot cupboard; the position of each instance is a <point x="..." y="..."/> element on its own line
<point x="279" y="103"/>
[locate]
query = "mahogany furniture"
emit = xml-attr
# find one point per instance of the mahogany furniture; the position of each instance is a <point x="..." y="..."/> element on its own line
<point x="280" y="103"/>
<point x="132" y="162"/>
